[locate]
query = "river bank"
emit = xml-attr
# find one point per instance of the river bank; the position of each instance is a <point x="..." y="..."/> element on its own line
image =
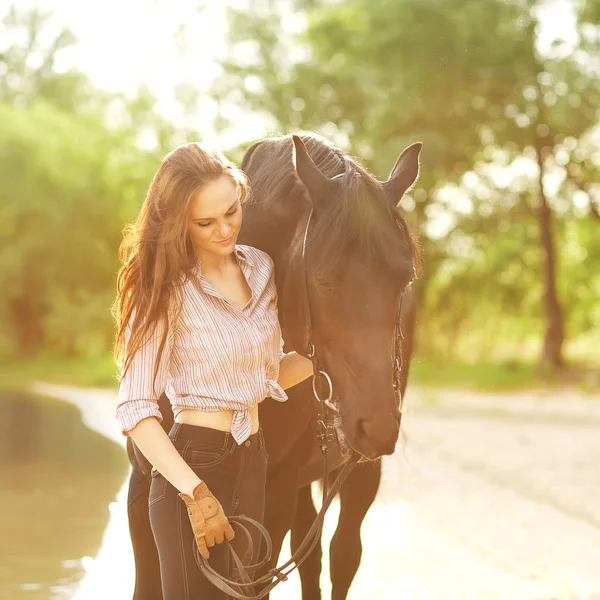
<point x="525" y="458"/>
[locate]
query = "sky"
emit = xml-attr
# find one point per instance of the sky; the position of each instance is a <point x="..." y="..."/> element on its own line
<point x="159" y="43"/>
<point x="126" y="43"/>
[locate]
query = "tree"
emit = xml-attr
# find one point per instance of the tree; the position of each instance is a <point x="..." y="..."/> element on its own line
<point x="75" y="164"/>
<point x="466" y="78"/>
<point x="69" y="181"/>
<point x="29" y="63"/>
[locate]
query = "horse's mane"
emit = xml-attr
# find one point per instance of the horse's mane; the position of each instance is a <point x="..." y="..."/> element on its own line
<point x="360" y="216"/>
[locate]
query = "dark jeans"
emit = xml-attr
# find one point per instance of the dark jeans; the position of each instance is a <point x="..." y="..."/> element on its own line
<point x="236" y="475"/>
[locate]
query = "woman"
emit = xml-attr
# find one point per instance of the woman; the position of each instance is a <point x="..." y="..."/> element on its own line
<point x="197" y="318"/>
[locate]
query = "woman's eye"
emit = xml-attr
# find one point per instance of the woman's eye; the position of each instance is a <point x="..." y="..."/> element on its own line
<point x="227" y="214"/>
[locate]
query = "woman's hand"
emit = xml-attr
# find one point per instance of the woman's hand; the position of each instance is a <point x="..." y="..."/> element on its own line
<point x="209" y="523"/>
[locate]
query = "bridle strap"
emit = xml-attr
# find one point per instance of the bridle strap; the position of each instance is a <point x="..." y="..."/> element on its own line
<point x="309" y="348"/>
<point x="235" y="588"/>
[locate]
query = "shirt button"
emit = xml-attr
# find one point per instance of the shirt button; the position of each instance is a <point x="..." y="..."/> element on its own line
<point x="248" y="443"/>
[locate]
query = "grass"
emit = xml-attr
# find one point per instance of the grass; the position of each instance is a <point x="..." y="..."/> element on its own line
<point x="507" y="376"/>
<point x="16" y="375"/>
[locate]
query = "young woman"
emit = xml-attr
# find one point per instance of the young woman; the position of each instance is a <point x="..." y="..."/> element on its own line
<point x="197" y="318"/>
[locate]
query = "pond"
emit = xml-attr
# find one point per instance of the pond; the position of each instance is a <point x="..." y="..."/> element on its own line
<point x="58" y="479"/>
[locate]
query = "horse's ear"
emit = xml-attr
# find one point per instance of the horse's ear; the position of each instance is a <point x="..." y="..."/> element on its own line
<point x="404" y="173"/>
<point x="318" y="185"/>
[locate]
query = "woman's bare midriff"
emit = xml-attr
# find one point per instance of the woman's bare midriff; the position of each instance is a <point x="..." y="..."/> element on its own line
<point x="220" y="420"/>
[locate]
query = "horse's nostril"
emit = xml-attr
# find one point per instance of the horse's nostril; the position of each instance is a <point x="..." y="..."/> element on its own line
<point x="377" y="436"/>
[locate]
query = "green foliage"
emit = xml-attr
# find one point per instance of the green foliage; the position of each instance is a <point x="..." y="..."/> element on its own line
<point x="470" y="81"/>
<point x="590" y="12"/>
<point x="68" y="185"/>
<point x="481" y="376"/>
<point x="29" y="63"/>
<point x="16" y="375"/>
<point x="466" y="78"/>
<point x="71" y="177"/>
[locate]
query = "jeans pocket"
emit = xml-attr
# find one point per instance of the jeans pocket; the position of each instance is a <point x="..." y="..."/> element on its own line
<point x="158" y="488"/>
<point x="200" y="455"/>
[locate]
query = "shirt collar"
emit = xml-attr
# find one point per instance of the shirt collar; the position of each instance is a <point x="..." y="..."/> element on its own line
<point x="242" y="255"/>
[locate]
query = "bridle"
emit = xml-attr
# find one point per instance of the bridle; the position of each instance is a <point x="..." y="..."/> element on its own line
<point x="327" y="406"/>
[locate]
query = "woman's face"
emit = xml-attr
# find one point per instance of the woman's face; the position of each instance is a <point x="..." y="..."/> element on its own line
<point x="215" y="217"/>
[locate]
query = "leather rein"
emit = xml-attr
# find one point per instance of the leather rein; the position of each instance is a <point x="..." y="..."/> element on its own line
<point x="242" y="588"/>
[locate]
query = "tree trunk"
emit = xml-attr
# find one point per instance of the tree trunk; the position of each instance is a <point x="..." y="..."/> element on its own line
<point x="27" y="310"/>
<point x="554" y="337"/>
<point x="26" y="325"/>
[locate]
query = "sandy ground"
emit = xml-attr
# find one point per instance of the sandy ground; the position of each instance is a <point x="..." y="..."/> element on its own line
<point x="491" y="496"/>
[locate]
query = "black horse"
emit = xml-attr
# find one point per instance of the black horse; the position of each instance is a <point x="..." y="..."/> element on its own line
<point x="360" y="259"/>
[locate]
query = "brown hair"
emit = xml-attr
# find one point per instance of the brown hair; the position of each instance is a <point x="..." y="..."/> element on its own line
<point x="156" y="250"/>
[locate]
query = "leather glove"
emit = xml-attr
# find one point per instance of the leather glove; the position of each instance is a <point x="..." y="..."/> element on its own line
<point x="209" y="523"/>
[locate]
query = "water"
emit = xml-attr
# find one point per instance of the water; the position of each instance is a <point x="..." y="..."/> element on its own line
<point x="57" y="479"/>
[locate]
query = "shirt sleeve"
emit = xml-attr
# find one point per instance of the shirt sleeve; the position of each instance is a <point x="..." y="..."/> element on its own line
<point x="139" y="391"/>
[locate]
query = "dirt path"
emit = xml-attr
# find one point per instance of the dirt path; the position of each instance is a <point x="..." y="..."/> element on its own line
<point x="500" y="504"/>
<point x="492" y="497"/>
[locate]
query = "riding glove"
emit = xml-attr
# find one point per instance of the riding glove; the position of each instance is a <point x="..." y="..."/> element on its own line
<point x="209" y="523"/>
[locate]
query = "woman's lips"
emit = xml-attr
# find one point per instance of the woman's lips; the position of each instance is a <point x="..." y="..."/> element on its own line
<point x="225" y="242"/>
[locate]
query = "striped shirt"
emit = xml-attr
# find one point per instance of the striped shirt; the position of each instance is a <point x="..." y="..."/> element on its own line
<point x="216" y="357"/>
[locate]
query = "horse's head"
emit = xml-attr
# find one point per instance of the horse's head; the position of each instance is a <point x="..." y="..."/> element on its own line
<point x="359" y="258"/>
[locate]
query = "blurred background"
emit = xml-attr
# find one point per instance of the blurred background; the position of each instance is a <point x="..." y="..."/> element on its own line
<point x="504" y="95"/>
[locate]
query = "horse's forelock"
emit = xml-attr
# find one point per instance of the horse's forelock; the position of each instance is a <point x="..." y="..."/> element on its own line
<point x="360" y="216"/>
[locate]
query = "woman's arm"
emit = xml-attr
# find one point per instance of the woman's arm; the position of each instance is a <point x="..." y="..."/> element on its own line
<point x="138" y="413"/>
<point x="207" y="518"/>
<point x="156" y="446"/>
<point x="139" y="416"/>
<point x="293" y="369"/>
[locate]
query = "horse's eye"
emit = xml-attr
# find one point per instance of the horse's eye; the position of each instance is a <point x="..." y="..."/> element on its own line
<point x="322" y="283"/>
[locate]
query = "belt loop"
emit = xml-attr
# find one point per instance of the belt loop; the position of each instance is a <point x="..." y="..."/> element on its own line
<point x="175" y="431"/>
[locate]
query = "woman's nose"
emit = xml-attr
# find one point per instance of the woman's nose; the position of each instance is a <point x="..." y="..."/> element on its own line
<point x="225" y="231"/>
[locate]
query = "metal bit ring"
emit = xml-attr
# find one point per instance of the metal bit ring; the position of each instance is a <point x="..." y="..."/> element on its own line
<point x="327" y="402"/>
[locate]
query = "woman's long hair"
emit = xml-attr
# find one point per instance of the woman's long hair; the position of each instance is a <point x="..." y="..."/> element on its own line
<point x="157" y="249"/>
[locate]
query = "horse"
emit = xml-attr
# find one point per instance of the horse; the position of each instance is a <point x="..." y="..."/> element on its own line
<point x="354" y="264"/>
<point x="356" y="496"/>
